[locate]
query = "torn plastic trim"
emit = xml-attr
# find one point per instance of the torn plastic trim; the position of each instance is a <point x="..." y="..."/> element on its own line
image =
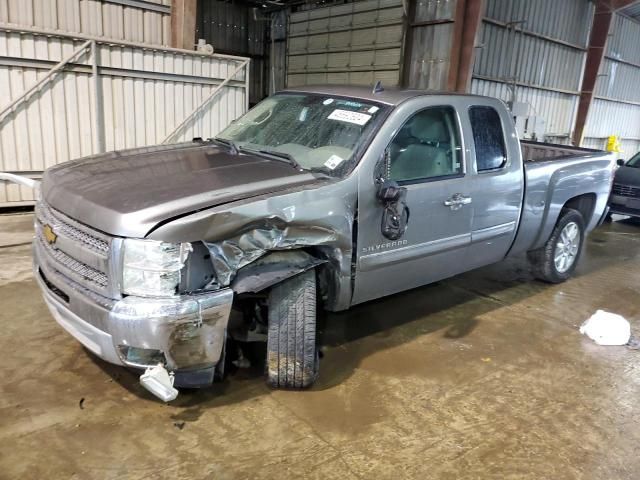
<point x="272" y="269"/>
<point x="159" y="381"/>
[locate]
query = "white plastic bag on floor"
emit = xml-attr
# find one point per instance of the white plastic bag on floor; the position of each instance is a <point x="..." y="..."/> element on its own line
<point x="606" y="328"/>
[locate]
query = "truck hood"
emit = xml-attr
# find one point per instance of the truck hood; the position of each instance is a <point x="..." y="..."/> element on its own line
<point x="628" y="176"/>
<point x="128" y="193"/>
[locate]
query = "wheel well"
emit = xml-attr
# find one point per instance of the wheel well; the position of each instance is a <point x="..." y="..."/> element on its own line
<point x="585" y="204"/>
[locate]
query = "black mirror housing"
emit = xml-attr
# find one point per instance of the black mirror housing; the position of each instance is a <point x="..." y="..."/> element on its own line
<point x="390" y="191"/>
<point x="395" y="214"/>
<point x="621" y="162"/>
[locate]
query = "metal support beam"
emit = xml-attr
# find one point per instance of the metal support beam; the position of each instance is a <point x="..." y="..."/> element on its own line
<point x="620" y="4"/>
<point x="115" y="72"/>
<point x="215" y="92"/>
<point x="468" y="18"/>
<point x="40" y="83"/>
<point x="595" y="53"/>
<point x="142" y="5"/>
<point x="98" y="113"/>
<point x="247" y="85"/>
<point x="183" y="24"/>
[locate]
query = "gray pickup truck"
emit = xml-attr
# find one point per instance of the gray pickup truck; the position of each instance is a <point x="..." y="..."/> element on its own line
<point x="317" y="198"/>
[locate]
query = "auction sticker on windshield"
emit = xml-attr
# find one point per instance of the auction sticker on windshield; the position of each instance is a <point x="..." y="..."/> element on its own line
<point x="349" y="117"/>
<point x="333" y="162"/>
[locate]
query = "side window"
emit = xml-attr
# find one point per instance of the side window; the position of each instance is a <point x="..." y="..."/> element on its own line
<point x="427" y="146"/>
<point x="488" y="138"/>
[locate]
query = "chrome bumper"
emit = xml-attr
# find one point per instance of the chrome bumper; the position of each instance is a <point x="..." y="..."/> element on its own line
<point x="187" y="333"/>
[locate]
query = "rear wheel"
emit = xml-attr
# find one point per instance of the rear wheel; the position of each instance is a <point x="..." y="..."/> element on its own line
<point x="292" y="354"/>
<point x="556" y="261"/>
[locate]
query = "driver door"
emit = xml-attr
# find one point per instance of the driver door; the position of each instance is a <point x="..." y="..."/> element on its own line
<point x="427" y="157"/>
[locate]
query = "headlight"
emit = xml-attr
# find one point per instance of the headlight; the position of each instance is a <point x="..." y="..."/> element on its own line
<point x="151" y="268"/>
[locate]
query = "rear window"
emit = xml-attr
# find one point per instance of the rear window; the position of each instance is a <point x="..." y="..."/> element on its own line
<point x="488" y="138"/>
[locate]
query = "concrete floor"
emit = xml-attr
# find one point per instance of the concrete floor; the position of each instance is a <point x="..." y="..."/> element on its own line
<point x="482" y="376"/>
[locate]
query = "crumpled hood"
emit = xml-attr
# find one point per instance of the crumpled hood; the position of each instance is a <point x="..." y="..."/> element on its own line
<point x="628" y="176"/>
<point x="127" y="193"/>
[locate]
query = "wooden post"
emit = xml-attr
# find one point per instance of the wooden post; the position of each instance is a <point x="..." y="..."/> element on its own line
<point x="467" y="18"/>
<point x="183" y="24"/>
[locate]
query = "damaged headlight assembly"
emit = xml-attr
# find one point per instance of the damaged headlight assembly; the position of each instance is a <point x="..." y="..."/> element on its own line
<point x="151" y="268"/>
<point x="159" y="325"/>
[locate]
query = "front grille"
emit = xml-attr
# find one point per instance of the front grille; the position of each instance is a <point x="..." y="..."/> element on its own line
<point x="88" y="273"/>
<point x="626" y="190"/>
<point x="78" y="252"/>
<point x="64" y="226"/>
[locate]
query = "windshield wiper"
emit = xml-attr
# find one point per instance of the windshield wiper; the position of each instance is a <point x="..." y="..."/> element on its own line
<point x="234" y="148"/>
<point x="285" y="156"/>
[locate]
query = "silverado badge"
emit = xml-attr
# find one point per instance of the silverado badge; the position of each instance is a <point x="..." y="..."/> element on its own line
<point x="49" y="234"/>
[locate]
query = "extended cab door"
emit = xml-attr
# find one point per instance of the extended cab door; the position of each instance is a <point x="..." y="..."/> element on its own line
<point x="497" y="181"/>
<point x="425" y="153"/>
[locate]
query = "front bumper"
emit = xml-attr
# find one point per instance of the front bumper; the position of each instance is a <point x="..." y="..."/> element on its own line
<point x="187" y="333"/>
<point x="624" y="205"/>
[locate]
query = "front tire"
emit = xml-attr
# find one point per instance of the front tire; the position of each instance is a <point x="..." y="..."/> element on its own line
<point x="292" y="354"/>
<point x="556" y="261"/>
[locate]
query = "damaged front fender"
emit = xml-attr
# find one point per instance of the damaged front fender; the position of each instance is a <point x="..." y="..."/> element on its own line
<point x="230" y="256"/>
<point x="318" y="218"/>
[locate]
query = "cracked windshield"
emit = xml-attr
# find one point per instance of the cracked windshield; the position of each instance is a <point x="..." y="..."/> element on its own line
<point x="313" y="132"/>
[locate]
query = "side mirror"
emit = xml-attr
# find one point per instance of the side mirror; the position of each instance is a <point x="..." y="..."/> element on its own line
<point x="390" y="191"/>
<point x="621" y="162"/>
<point x="395" y="212"/>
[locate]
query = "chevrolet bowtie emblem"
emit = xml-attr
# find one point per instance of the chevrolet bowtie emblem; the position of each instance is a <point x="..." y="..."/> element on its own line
<point x="49" y="234"/>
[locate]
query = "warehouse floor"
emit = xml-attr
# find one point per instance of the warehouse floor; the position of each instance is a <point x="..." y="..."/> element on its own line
<point x="481" y="376"/>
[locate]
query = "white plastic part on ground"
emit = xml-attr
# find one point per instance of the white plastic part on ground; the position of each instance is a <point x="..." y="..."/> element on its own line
<point x="159" y="382"/>
<point x="607" y="328"/>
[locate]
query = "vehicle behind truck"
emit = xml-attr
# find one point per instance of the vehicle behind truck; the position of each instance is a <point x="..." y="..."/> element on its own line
<point x="625" y="193"/>
<point x="319" y="198"/>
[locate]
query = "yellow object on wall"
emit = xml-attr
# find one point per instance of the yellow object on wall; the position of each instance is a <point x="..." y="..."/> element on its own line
<point x="613" y="143"/>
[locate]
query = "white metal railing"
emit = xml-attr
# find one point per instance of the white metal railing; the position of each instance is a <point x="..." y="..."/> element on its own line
<point x="218" y="89"/>
<point x="19" y="179"/>
<point x="40" y="83"/>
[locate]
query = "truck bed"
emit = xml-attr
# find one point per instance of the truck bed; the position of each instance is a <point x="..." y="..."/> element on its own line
<point x="539" y="151"/>
<point x="554" y="174"/>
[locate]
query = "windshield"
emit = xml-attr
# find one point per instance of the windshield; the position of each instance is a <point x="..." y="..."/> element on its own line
<point x="319" y="132"/>
<point x="635" y="161"/>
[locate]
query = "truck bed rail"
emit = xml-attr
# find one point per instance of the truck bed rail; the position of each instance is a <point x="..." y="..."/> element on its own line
<point x="539" y="151"/>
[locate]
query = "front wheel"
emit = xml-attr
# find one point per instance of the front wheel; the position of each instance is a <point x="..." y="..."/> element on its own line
<point x="556" y="261"/>
<point x="292" y="354"/>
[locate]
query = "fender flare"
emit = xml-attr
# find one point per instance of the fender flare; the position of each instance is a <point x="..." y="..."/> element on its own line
<point x="273" y="268"/>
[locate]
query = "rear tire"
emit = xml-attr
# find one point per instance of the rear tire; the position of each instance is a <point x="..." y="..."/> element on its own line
<point x="556" y="261"/>
<point x="292" y="354"/>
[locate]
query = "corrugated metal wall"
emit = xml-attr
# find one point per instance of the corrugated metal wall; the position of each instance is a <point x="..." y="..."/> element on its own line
<point x="616" y="105"/>
<point x="358" y="43"/>
<point x="144" y="94"/>
<point x="236" y="29"/>
<point x="429" y="48"/>
<point x="534" y="52"/>
<point x="147" y="21"/>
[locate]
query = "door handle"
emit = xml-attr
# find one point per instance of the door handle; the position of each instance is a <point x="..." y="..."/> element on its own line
<point x="456" y="201"/>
